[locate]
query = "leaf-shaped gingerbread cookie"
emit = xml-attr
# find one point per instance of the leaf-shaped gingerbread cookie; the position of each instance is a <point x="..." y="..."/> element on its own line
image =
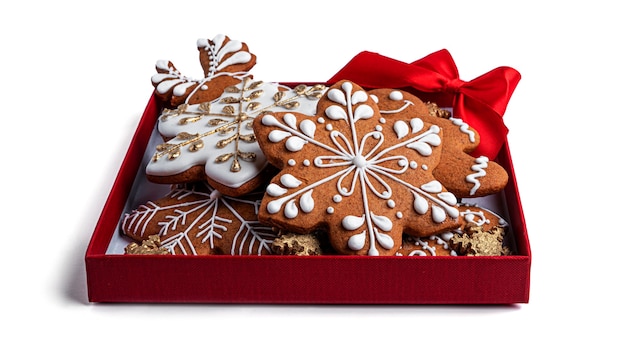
<point x="224" y="62"/>
<point x="459" y="171"/>
<point x="195" y="219"/>
<point x="347" y="170"/>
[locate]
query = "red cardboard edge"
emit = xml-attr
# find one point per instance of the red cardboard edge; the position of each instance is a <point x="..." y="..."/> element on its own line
<point x="298" y="280"/>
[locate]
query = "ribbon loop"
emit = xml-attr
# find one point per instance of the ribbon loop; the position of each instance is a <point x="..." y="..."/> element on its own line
<point x="481" y="102"/>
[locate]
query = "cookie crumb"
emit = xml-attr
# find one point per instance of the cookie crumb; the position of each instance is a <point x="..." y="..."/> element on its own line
<point x="436" y="111"/>
<point x="474" y="241"/>
<point x="289" y="243"/>
<point x="149" y="246"/>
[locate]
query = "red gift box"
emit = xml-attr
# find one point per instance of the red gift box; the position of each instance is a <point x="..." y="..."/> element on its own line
<point x="291" y="279"/>
<point x="115" y="277"/>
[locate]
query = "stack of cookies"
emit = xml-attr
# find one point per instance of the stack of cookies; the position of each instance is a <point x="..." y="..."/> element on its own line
<point x="260" y="168"/>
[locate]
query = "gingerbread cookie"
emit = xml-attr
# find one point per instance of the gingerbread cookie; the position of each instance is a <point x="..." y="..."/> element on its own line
<point x="434" y="245"/>
<point x="224" y="62"/>
<point x="459" y="171"/>
<point x="214" y="141"/>
<point x="477" y="235"/>
<point x="363" y="178"/>
<point x="474" y="215"/>
<point x="196" y="219"/>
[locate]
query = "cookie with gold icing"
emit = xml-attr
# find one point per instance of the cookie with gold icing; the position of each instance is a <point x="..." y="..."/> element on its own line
<point x="214" y="141"/>
<point x="363" y="178"/>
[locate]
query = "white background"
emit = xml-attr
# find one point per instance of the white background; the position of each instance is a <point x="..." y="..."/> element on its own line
<point x="75" y="78"/>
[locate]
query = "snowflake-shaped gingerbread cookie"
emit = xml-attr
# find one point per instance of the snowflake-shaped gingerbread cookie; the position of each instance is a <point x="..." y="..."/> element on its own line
<point x="224" y="62"/>
<point x="460" y="172"/>
<point x="195" y="219"/>
<point x="214" y="141"/>
<point x="350" y="171"/>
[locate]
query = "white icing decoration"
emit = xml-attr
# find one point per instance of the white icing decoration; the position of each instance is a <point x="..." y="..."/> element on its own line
<point x="337" y="198"/>
<point x="330" y="210"/>
<point x="357" y="242"/>
<point x="363" y="112"/>
<point x="308" y="128"/>
<point x="306" y="162"/>
<point x="290" y="120"/>
<point x="464" y="127"/>
<point x="391" y="203"/>
<point x="447" y="197"/>
<point x="321" y="120"/>
<point x="291" y="162"/>
<point x="420" y="204"/>
<point x="385" y="240"/>
<point x="290" y="181"/>
<point x="383" y="222"/>
<point x="399" y="215"/>
<point x="295" y="144"/>
<point x="478" y="217"/>
<point x="407" y="103"/>
<point x="418" y="253"/>
<point x="479" y="168"/>
<point x="432" y="187"/>
<point x="337" y="96"/>
<point x="306" y="202"/>
<point x="358" y="97"/>
<point x="291" y="211"/>
<point x="396" y="95"/>
<point x="275" y="190"/>
<point x="352" y="222"/>
<point x="334" y="112"/>
<point x="401" y="128"/>
<point x="424" y="146"/>
<point x="439" y="215"/>
<point x="416" y="125"/>
<point x="277" y="136"/>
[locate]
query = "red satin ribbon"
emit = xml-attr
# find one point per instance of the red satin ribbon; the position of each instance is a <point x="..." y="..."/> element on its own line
<point x="481" y="102"/>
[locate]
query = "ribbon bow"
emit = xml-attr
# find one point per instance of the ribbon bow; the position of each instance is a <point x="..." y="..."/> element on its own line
<point x="480" y="102"/>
